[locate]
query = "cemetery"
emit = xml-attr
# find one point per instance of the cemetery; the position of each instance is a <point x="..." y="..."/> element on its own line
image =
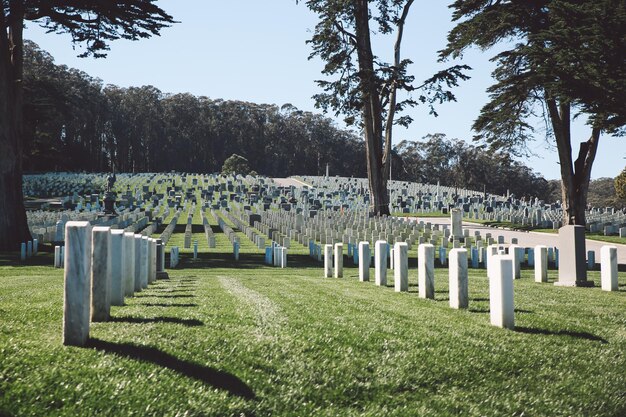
<point x="209" y="294"/>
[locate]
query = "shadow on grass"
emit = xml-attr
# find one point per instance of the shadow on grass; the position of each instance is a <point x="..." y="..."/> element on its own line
<point x="145" y="295"/>
<point x="169" y="305"/>
<point x="210" y="376"/>
<point x="578" y="335"/>
<point x="486" y="310"/>
<point x="246" y="261"/>
<point x="160" y="319"/>
<point x="13" y="259"/>
<point x="165" y="290"/>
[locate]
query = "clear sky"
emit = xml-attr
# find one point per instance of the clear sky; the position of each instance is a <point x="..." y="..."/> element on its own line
<point x="255" y="51"/>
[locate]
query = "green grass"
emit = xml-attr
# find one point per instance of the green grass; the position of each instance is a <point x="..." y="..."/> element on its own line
<point x="611" y="239"/>
<point x="224" y="338"/>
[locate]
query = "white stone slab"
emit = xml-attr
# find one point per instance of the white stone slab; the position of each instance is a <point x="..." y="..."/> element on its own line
<point x="338" y="260"/>
<point x="380" y="263"/>
<point x="100" y="273"/>
<point x="401" y="267"/>
<point x="117" y="263"/>
<point x="608" y="265"/>
<point x="458" y="279"/>
<point x="541" y="263"/>
<point x="77" y="283"/>
<point x="328" y="261"/>
<point x="426" y="270"/>
<point x="501" y="306"/>
<point x="129" y="264"/>
<point x="364" y="261"/>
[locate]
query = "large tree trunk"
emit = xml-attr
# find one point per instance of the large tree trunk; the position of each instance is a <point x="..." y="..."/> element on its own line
<point x="371" y="112"/>
<point x="13" y="224"/>
<point x="575" y="175"/>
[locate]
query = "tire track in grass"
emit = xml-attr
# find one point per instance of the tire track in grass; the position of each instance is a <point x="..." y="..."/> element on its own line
<point x="268" y="316"/>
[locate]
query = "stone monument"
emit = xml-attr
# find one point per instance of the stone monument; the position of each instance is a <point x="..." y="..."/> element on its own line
<point x="109" y="196"/>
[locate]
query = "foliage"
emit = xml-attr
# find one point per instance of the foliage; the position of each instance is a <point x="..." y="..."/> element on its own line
<point x="236" y="164"/>
<point x="365" y="89"/>
<point x="602" y="193"/>
<point x="620" y="186"/>
<point x="93" y="24"/>
<point x="560" y="57"/>
<point x="543" y="60"/>
<point x="334" y="41"/>
<point x="455" y="163"/>
<point x="74" y="123"/>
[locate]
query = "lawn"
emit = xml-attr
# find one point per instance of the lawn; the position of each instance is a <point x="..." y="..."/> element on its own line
<point x="224" y="338"/>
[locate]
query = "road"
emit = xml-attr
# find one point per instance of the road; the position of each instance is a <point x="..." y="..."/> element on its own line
<point x="288" y="182"/>
<point x="529" y="239"/>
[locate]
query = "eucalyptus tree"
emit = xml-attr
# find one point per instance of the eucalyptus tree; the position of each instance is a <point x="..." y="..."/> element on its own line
<point x="365" y="89"/>
<point x="92" y="23"/>
<point x="560" y="58"/>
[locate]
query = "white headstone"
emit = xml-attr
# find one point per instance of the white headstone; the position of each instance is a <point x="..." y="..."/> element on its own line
<point x="338" y="260"/>
<point x="137" y="281"/>
<point x="608" y="265"/>
<point x="77" y="283"/>
<point x="364" y="261"/>
<point x="380" y="264"/>
<point x="541" y="263"/>
<point x="401" y="267"/>
<point x="144" y="255"/>
<point x="328" y="261"/>
<point x="129" y="264"/>
<point x="426" y="270"/>
<point x="501" y="292"/>
<point x="100" y="273"/>
<point x="117" y="260"/>
<point x="458" y="279"/>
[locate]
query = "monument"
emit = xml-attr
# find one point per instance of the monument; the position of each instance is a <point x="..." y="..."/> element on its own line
<point x="109" y="196"/>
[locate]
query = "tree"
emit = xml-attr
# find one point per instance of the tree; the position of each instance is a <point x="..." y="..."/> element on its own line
<point x="366" y="89"/>
<point x="236" y="164"/>
<point x="454" y="163"/>
<point x="562" y="57"/>
<point x="92" y="23"/>
<point x="602" y="193"/>
<point x="620" y="186"/>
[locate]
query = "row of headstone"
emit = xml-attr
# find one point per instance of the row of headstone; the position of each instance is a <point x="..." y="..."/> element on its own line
<point x="503" y="268"/>
<point x="29" y="249"/>
<point x="102" y="267"/>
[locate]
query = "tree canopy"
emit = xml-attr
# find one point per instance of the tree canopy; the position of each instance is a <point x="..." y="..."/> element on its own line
<point x="93" y="24"/>
<point x="560" y="57"/>
<point x="73" y="122"/>
<point x="365" y="89"/>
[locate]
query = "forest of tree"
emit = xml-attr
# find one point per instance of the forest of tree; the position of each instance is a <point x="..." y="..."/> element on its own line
<point x="73" y="122"/>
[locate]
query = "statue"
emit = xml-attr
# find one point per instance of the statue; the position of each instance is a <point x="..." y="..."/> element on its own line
<point x="110" y="182"/>
<point x="109" y="196"/>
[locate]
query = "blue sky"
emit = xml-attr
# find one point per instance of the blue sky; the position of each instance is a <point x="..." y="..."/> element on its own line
<point x="255" y="51"/>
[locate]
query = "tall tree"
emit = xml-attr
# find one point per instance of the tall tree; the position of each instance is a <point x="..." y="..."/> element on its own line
<point x="93" y="23"/>
<point x="561" y="57"/>
<point x="366" y="89"/>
